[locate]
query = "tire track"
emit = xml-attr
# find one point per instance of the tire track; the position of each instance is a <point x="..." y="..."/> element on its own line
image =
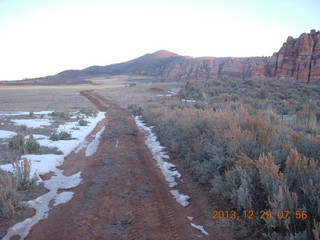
<point x="167" y="222"/>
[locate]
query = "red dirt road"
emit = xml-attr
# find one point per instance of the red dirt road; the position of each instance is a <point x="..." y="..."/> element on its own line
<point x="123" y="194"/>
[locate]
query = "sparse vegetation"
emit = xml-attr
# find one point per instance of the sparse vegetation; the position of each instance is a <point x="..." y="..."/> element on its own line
<point x="11" y="184"/>
<point x="89" y="112"/>
<point x="9" y="196"/>
<point x="23" y="128"/>
<point x="82" y="122"/>
<point x="31" y="115"/>
<point x="22" y="173"/>
<point x="64" y="115"/>
<point x="19" y="143"/>
<point x="135" y="109"/>
<point x="60" y="136"/>
<point x="253" y="144"/>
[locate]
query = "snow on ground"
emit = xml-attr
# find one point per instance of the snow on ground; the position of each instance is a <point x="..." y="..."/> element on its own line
<point x="24" y="113"/>
<point x="163" y="95"/>
<point x="188" y="100"/>
<point x="83" y="145"/>
<point x="199" y="228"/>
<point x="67" y="146"/>
<point x="13" y="113"/>
<point x="158" y="154"/>
<point x="37" y="136"/>
<point x="32" y="123"/>
<point x="93" y="146"/>
<point x="41" y="204"/>
<point x="165" y="167"/>
<point x="190" y="218"/>
<point x="41" y="164"/>
<point x="63" y="197"/>
<point x="180" y="198"/>
<point x="6" y="134"/>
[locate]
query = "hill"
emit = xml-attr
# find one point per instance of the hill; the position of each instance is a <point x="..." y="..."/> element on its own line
<point x="297" y="59"/>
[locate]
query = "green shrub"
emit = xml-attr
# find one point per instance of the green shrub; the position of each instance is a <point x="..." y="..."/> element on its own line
<point x="307" y="121"/>
<point x="135" y="109"/>
<point x="23" y="128"/>
<point x="65" y="115"/>
<point x="89" y="112"/>
<point x="21" y="172"/>
<point x="9" y="196"/>
<point x="31" y="145"/>
<point x="19" y="143"/>
<point x="31" y="115"/>
<point x="60" y="136"/>
<point x="82" y="122"/>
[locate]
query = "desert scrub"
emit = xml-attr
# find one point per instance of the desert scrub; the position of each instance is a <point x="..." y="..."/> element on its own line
<point x="82" y="122"/>
<point x="23" y="128"/>
<point x="60" y="136"/>
<point x="31" y="115"/>
<point x="249" y="159"/>
<point x="22" y="174"/>
<point x="9" y="196"/>
<point x="89" y="112"/>
<point x="65" y="115"/>
<point x="135" y="109"/>
<point x="19" y="143"/>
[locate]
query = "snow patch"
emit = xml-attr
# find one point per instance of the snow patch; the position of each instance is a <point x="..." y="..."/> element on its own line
<point x="163" y="95"/>
<point x="41" y="204"/>
<point x="199" y="227"/>
<point x="180" y="198"/>
<point x="158" y="154"/>
<point x="41" y="164"/>
<point x="83" y="145"/>
<point x="37" y="136"/>
<point x="32" y="123"/>
<point x="7" y="134"/>
<point x="93" y="146"/>
<point x="166" y="168"/>
<point x="188" y="100"/>
<point x="190" y="218"/>
<point x="63" y="197"/>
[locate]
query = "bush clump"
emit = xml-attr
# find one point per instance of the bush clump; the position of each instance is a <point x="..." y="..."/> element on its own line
<point x="248" y="154"/>
<point x="60" y="136"/>
<point x="22" y="174"/>
<point x="82" y="122"/>
<point x="65" y="115"/>
<point x="135" y="109"/>
<point x="12" y="183"/>
<point x="89" y="112"/>
<point x="19" y="143"/>
<point x="9" y="196"/>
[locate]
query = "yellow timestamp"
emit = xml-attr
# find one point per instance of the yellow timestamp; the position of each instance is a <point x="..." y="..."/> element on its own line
<point x="250" y="214"/>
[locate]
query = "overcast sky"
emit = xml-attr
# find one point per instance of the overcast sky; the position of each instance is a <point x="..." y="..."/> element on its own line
<point x="44" y="37"/>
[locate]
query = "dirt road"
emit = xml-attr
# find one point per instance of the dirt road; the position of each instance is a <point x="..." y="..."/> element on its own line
<point x="123" y="194"/>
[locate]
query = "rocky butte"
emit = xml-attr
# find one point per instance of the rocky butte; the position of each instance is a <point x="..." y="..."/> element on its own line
<point x="297" y="59"/>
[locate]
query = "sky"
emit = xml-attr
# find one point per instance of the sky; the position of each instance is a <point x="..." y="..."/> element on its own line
<point x="44" y="37"/>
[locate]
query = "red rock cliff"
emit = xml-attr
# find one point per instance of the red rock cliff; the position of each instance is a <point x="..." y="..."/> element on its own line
<point x="298" y="59"/>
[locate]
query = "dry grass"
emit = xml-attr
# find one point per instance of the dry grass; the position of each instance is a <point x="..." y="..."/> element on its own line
<point x="67" y="97"/>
